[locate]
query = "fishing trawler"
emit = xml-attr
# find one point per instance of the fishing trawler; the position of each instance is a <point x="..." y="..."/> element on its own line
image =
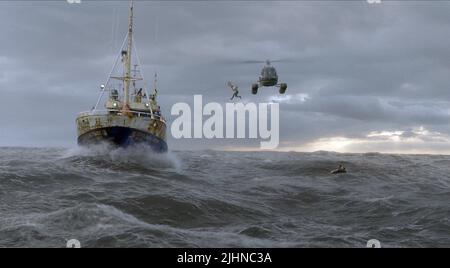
<point x="130" y="115"/>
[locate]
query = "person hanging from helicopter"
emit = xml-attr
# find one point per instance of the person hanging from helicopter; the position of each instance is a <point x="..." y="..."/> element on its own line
<point x="235" y="90"/>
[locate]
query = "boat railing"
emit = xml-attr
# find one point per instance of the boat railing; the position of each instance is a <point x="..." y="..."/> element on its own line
<point x="119" y="112"/>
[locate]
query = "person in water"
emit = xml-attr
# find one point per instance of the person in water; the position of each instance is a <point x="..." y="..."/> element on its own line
<point x="235" y="90"/>
<point x="340" y="169"/>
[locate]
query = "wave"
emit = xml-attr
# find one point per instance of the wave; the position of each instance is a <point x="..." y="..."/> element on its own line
<point x="139" y="155"/>
<point x="110" y="197"/>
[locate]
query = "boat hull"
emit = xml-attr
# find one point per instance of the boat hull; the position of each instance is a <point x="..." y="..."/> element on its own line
<point x="122" y="137"/>
<point x="122" y="131"/>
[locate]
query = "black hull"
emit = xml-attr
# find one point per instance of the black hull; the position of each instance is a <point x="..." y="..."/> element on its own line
<point x="122" y="137"/>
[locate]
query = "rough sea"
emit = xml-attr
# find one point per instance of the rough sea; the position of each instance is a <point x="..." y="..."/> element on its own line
<point x="132" y="198"/>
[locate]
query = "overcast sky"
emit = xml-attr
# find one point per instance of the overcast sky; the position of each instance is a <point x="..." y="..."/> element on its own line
<point x="362" y="78"/>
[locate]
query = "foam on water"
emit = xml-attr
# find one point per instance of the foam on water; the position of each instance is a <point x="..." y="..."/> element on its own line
<point x="110" y="197"/>
<point x="139" y="155"/>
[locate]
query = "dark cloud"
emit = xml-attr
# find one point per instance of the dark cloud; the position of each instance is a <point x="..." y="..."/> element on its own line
<point x="363" y="67"/>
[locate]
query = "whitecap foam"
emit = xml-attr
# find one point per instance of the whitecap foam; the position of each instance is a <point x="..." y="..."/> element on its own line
<point x="141" y="155"/>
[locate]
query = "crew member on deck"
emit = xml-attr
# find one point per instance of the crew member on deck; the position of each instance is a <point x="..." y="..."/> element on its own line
<point x="139" y="96"/>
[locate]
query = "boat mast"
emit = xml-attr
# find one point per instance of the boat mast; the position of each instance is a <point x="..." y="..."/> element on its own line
<point x="128" y="77"/>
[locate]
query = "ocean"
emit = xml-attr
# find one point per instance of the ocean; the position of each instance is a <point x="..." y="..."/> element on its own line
<point x="107" y="197"/>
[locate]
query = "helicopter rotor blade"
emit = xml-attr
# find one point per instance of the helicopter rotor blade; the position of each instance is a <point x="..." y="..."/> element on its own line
<point x="284" y="60"/>
<point x="237" y="61"/>
<point x="253" y="61"/>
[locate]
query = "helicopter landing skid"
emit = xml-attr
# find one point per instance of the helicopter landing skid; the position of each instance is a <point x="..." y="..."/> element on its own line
<point x="283" y="87"/>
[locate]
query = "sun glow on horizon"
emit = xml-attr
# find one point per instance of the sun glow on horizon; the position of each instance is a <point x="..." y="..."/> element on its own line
<point x="413" y="141"/>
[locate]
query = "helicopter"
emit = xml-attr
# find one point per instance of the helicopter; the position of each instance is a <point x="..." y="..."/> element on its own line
<point x="268" y="78"/>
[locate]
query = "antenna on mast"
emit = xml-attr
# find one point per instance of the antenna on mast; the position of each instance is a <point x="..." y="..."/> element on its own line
<point x="128" y="77"/>
<point x="155" y="83"/>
